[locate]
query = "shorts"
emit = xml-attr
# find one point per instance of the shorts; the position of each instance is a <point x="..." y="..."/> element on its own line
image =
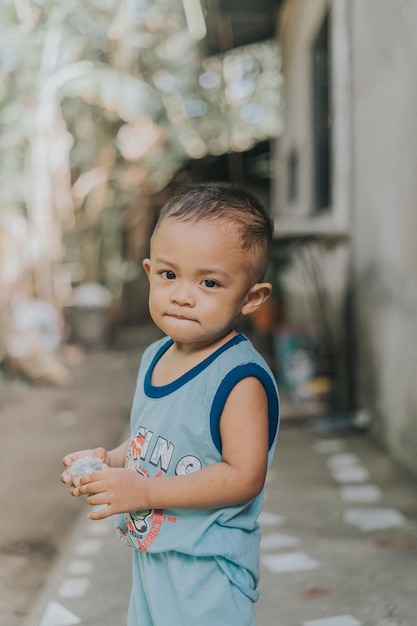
<point x="172" y="589"/>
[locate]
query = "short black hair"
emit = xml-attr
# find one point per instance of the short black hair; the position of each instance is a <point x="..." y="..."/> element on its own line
<point x="221" y="200"/>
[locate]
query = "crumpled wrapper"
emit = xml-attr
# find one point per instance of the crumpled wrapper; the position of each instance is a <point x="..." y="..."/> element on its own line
<point x="82" y="467"/>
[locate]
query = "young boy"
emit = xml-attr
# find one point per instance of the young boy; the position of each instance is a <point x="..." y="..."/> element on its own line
<point x="189" y="482"/>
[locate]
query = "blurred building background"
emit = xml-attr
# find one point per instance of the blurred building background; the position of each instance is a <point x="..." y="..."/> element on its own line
<point x="345" y="200"/>
<point x="106" y="108"/>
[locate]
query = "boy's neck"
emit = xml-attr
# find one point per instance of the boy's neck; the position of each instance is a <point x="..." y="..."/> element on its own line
<point x="201" y="350"/>
<point x="181" y="358"/>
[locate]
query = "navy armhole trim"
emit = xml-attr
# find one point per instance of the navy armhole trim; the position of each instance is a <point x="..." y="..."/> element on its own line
<point x="159" y="392"/>
<point x="231" y="379"/>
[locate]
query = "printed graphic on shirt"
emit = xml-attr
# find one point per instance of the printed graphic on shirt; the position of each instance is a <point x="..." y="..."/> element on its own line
<point x="141" y="528"/>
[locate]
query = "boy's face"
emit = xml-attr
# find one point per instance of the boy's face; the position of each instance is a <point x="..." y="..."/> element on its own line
<point x="200" y="279"/>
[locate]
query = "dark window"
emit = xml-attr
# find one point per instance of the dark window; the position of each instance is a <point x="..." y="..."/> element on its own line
<point x="322" y="122"/>
<point x="292" y="176"/>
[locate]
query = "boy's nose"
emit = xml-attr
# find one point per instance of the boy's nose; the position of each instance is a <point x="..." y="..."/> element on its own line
<point x="183" y="295"/>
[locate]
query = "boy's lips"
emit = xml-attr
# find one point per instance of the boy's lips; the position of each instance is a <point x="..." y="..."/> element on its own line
<point x="180" y="317"/>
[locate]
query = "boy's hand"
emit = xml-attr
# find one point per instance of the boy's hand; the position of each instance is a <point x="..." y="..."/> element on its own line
<point x="99" y="453"/>
<point x="121" y="489"/>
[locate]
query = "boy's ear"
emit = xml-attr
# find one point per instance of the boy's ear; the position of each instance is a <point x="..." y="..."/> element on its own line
<point x="146" y="263"/>
<point x="257" y="295"/>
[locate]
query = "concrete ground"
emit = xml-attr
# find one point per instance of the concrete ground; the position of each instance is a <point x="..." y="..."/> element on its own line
<point x="339" y="524"/>
<point x="39" y="424"/>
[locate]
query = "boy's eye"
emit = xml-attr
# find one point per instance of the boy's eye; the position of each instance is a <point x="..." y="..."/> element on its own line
<point x="168" y="275"/>
<point x="210" y="283"/>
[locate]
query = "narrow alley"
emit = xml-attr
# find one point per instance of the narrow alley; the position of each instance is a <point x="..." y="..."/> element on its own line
<point x="107" y="110"/>
<point x="339" y="524"/>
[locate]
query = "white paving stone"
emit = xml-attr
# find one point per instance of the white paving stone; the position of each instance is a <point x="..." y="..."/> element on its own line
<point x="270" y="519"/>
<point x="57" y="615"/>
<point x="73" y="587"/>
<point x="340" y="620"/>
<point x="361" y="493"/>
<point x="350" y="474"/>
<point x="289" y="562"/>
<point x="277" y="541"/>
<point x="347" y="459"/>
<point x="374" y="518"/>
<point x="80" y="567"/>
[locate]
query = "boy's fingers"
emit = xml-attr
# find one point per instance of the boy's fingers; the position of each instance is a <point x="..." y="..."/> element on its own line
<point x="66" y="478"/>
<point x="101" y="513"/>
<point x="96" y="499"/>
<point x="88" y="485"/>
<point x="89" y="478"/>
<point x="69" y="459"/>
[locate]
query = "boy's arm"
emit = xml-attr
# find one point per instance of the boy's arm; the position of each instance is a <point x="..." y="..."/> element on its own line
<point x="238" y="478"/>
<point x="117" y="456"/>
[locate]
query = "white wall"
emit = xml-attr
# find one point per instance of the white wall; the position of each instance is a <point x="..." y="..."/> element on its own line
<point x="327" y="258"/>
<point x="374" y="96"/>
<point x="384" y="84"/>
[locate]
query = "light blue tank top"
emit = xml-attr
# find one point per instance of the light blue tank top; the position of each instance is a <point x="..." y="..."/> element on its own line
<point x="175" y="430"/>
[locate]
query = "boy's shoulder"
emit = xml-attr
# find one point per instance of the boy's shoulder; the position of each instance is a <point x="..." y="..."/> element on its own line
<point x="248" y="351"/>
<point x="240" y="356"/>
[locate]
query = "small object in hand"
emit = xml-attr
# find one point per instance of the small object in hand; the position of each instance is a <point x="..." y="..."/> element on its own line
<point x="82" y="467"/>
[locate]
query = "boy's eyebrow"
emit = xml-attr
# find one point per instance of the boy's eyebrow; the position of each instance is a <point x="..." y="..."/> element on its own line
<point x="213" y="270"/>
<point x="201" y="270"/>
<point x="163" y="261"/>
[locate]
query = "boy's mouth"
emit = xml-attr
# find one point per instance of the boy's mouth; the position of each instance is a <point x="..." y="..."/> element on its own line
<point x="180" y="317"/>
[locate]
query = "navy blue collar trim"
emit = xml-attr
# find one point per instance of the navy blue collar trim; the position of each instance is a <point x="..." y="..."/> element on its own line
<point x="159" y="392"/>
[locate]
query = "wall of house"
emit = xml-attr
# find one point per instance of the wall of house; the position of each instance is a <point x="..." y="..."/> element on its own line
<point x="316" y="282"/>
<point x="370" y="273"/>
<point x="384" y="90"/>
